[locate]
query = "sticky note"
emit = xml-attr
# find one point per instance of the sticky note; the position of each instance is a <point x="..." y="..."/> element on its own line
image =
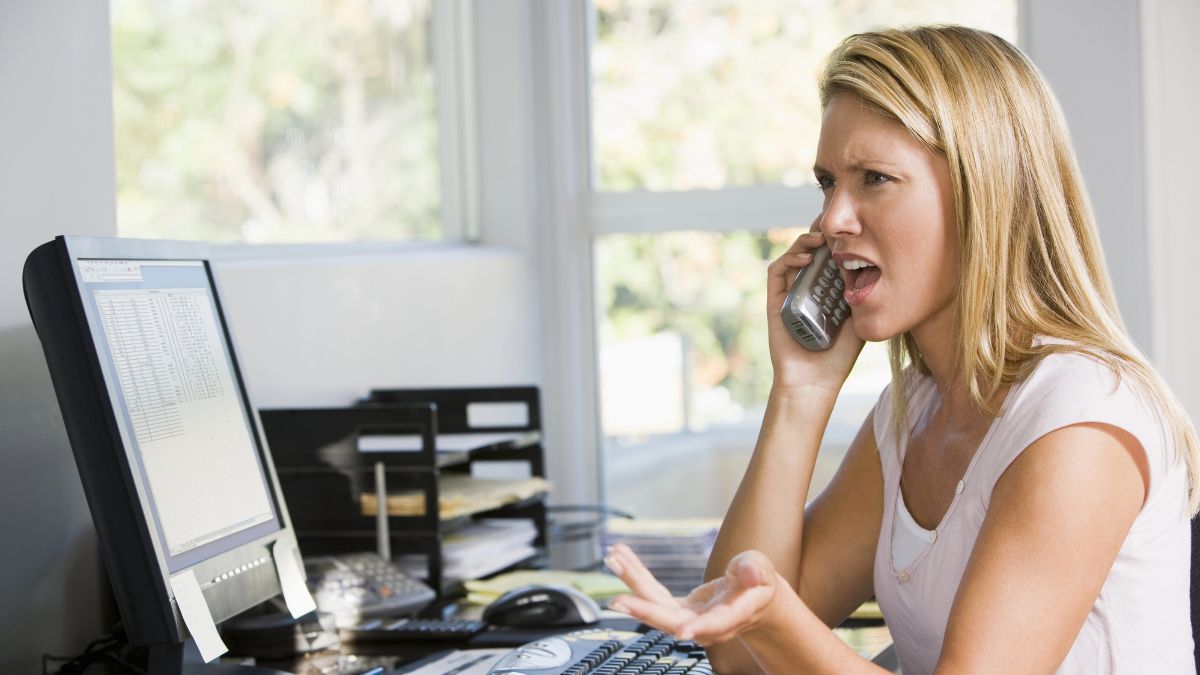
<point x="290" y="568"/>
<point x="196" y="615"/>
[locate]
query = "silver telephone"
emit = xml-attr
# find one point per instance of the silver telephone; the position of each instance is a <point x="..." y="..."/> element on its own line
<point x="814" y="310"/>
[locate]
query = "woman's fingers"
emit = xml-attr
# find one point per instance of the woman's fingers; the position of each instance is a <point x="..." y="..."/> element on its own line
<point x="713" y="612"/>
<point x="816" y="223"/>
<point x="718" y="619"/>
<point x="703" y="593"/>
<point x="625" y="564"/>
<point x="807" y="242"/>
<point x="729" y="616"/>
<point x="801" y="248"/>
<point x="782" y="270"/>
<point x="747" y="588"/>
<point x="663" y="617"/>
<point x="749" y="569"/>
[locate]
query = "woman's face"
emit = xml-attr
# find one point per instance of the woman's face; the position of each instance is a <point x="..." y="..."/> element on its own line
<point x="888" y="203"/>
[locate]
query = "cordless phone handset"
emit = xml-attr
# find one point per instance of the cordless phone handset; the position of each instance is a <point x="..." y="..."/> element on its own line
<point x="814" y="310"/>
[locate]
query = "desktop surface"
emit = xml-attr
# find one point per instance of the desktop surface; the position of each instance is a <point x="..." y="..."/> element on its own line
<point x="353" y="658"/>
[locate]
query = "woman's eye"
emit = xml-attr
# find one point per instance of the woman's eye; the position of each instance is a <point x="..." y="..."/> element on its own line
<point x="876" y="178"/>
<point x="824" y="183"/>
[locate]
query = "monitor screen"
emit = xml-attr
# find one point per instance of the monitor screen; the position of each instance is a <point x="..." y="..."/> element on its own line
<point x="170" y="451"/>
<point x="180" y="413"/>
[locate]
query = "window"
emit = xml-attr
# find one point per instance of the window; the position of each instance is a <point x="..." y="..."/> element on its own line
<point x="277" y="121"/>
<point x="704" y="126"/>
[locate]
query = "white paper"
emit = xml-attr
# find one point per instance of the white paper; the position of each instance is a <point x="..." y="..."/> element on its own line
<point x="445" y="442"/>
<point x="501" y="469"/>
<point x="290" y="568"/>
<point x="196" y="615"/>
<point x="514" y="414"/>
<point x="465" y="662"/>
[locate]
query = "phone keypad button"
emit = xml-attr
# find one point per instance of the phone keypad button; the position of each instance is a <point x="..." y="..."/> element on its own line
<point x="838" y="283"/>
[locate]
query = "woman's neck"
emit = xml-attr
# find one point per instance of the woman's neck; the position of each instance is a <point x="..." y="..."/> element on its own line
<point x="937" y="341"/>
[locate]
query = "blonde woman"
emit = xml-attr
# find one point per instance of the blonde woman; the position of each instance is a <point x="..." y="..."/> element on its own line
<point x="1018" y="500"/>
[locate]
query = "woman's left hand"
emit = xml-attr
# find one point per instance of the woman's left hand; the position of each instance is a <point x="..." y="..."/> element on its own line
<point x="712" y="613"/>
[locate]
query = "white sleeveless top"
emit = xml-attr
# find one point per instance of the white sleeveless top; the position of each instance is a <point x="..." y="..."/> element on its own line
<point x="1141" y="621"/>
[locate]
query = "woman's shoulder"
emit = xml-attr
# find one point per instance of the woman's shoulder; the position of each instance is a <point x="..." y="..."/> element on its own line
<point x="1075" y="385"/>
<point x="1073" y="376"/>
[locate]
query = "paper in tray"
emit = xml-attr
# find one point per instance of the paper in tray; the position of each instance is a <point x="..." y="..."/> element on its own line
<point x="458" y="495"/>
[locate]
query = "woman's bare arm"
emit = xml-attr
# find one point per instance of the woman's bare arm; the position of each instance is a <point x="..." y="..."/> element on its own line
<point x="768" y="510"/>
<point x="827" y="552"/>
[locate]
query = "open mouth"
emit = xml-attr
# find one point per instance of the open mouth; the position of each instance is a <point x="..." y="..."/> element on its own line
<point x="860" y="279"/>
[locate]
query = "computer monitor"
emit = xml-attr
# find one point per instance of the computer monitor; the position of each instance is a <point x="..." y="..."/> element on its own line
<point x="169" y="449"/>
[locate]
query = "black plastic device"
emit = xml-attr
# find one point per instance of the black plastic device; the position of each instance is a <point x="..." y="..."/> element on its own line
<point x="543" y="605"/>
<point x="355" y="586"/>
<point x="413" y="630"/>
<point x="169" y="449"/>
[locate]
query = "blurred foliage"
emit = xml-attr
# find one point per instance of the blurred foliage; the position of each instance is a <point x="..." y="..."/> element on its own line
<point x="710" y="93"/>
<point x="708" y="286"/>
<point x="275" y="120"/>
<point x="695" y="94"/>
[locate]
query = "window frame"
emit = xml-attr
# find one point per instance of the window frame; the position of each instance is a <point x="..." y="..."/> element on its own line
<point x="558" y="223"/>
<point x="458" y="141"/>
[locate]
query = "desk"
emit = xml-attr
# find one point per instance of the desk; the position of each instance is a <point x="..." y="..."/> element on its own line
<point x="868" y="641"/>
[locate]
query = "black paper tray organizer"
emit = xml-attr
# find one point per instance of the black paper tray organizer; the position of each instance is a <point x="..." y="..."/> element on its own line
<point x="336" y="464"/>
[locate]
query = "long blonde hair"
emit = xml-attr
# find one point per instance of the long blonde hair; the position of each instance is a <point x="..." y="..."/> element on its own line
<point x="1030" y="260"/>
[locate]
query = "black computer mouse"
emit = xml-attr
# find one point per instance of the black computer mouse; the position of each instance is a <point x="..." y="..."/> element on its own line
<point x="542" y="605"/>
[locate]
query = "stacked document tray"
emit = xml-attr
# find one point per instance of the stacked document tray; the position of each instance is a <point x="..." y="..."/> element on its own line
<point x="675" y="551"/>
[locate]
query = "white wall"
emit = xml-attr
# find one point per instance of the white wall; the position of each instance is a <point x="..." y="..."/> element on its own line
<point x="1172" y="107"/>
<point x="56" y="177"/>
<point x="1090" y="51"/>
<point x="315" y="327"/>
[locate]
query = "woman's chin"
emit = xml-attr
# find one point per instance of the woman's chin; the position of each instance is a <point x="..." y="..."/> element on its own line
<point x="871" y="331"/>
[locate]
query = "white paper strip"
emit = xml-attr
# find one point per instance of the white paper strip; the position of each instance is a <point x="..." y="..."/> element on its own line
<point x="290" y="567"/>
<point x="196" y="615"/>
<point x="501" y="469"/>
<point x="445" y="442"/>
<point x="497" y="415"/>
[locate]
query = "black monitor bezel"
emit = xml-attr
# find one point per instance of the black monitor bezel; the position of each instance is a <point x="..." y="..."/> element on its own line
<point x="136" y="565"/>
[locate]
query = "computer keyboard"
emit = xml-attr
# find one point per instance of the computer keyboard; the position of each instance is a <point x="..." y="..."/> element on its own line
<point x="412" y="630"/>
<point x="601" y="651"/>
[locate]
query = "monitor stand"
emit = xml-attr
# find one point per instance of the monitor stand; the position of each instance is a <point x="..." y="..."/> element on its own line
<point x="184" y="659"/>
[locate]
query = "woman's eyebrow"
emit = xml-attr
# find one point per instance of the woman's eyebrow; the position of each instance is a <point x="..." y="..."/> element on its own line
<point x="858" y="165"/>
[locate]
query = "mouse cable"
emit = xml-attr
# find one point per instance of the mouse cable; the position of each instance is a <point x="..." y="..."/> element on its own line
<point x="567" y="532"/>
<point x="103" y="649"/>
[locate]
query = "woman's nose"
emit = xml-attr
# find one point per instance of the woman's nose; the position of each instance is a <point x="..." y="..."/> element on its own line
<point x="840" y="218"/>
